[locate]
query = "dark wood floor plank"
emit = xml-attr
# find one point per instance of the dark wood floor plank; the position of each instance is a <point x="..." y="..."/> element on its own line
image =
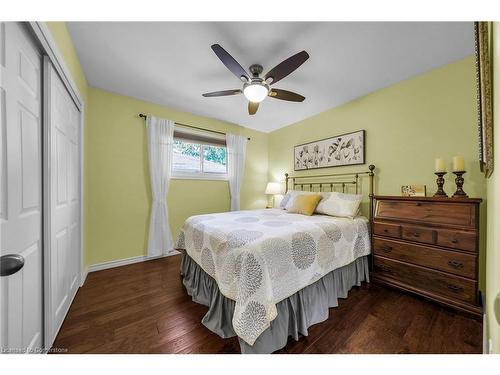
<point x="143" y="308"/>
<point x="373" y="334"/>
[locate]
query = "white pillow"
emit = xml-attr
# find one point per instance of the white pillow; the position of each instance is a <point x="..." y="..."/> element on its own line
<point x="289" y="199"/>
<point x="339" y="204"/>
<point x="286" y="198"/>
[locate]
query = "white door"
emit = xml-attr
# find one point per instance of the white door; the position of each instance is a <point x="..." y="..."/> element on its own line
<point x="21" y="188"/>
<point x="62" y="273"/>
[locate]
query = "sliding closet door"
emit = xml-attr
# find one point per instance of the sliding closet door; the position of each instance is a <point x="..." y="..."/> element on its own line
<point x="20" y="190"/>
<point x="63" y="197"/>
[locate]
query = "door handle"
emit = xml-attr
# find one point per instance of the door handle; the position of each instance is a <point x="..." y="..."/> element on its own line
<point x="10" y="264"/>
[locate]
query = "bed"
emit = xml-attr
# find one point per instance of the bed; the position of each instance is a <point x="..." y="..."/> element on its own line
<point x="268" y="274"/>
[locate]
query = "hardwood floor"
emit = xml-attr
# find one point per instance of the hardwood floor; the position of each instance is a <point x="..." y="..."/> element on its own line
<point x="143" y="308"/>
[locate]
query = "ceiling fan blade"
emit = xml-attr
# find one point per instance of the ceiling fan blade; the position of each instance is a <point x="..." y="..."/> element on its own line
<point x="222" y="93"/>
<point x="252" y="108"/>
<point x="286" y="95"/>
<point x="230" y="62"/>
<point x="286" y="67"/>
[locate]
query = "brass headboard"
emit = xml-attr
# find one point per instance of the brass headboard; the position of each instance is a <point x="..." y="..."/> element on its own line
<point x="330" y="181"/>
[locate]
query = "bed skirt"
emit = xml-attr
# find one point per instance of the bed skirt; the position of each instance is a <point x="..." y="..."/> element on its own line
<point x="295" y="314"/>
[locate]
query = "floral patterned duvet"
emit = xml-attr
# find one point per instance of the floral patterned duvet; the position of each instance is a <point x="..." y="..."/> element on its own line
<point x="260" y="257"/>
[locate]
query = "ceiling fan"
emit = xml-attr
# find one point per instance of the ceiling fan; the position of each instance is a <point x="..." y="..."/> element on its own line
<point x="255" y="88"/>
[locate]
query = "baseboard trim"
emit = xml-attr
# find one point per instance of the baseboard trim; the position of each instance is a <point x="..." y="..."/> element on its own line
<point x="125" y="262"/>
<point x="83" y="276"/>
<point x="486" y="343"/>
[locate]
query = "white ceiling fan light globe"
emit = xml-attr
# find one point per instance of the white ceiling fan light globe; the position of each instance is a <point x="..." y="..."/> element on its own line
<point x="255" y="92"/>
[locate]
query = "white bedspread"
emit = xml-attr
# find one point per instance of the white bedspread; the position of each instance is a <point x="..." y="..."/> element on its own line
<point x="261" y="257"/>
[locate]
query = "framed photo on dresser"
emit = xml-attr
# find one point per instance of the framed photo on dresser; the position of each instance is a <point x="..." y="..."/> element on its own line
<point x="413" y="190"/>
<point x="337" y="151"/>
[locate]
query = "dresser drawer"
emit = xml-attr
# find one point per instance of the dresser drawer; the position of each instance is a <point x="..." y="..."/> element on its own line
<point x="457" y="240"/>
<point x="426" y="279"/>
<point x="418" y="234"/>
<point x="428" y="212"/>
<point x="444" y="260"/>
<point x="389" y="230"/>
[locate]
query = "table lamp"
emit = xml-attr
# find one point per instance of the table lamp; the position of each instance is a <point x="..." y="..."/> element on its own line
<point x="273" y="188"/>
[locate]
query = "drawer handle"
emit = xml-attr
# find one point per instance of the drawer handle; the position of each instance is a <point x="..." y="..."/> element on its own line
<point x="419" y="204"/>
<point x="386" y="230"/>
<point x="386" y="249"/>
<point x="385" y="269"/>
<point x="455" y="264"/>
<point x="416" y="234"/>
<point x="455" y="289"/>
<point x="454" y="240"/>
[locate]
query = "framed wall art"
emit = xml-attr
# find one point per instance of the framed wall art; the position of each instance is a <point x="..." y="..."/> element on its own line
<point x="484" y="97"/>
<point x="341" y="150"/>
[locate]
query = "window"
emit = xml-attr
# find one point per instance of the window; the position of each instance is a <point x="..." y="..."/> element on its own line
<point x="199" y="154"/>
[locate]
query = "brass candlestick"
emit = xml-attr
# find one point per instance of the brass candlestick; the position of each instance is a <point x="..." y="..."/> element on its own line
<point x="440" y="183"/>
<point x="459" y="180"/>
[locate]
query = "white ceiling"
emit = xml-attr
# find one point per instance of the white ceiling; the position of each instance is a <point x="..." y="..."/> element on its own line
<point x="172" y="64"/>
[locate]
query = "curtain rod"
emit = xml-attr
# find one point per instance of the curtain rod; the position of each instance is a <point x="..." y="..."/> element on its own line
<point x="142" y="115"/>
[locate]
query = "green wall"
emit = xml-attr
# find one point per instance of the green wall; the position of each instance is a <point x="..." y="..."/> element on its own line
<point x="118" y="194"/>
<point x="63" y="40"/>
<point x="407" y="126"/>
<point x="493" y="188"/>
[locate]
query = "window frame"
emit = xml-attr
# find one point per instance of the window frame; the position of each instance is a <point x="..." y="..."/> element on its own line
<point x="202" y="175"/>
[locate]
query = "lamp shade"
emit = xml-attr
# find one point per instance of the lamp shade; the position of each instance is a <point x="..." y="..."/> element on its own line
<point x="273" y="188"/>
<point x="255" y="93"/>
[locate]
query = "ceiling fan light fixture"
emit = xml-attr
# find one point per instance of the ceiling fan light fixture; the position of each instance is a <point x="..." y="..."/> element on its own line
<point x="255" y="87"/>
<point x="256" y="92"/>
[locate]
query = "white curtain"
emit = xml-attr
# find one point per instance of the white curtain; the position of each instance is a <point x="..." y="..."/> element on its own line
<point x="236" y="150"/>
<point x="160" y="144"/>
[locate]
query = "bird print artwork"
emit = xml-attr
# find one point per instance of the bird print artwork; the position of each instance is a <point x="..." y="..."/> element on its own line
<point x="347" y="149"/>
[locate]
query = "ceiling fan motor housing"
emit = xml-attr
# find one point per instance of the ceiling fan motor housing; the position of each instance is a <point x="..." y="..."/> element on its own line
<point x="256" y="69"/>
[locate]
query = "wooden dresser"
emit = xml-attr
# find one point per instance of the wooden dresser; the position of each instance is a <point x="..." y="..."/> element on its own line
<point x="429" y="246"/>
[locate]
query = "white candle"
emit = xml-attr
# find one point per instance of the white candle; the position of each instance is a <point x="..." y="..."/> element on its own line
<point x="458" y="164"/>
<point x="440" y="166"/>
